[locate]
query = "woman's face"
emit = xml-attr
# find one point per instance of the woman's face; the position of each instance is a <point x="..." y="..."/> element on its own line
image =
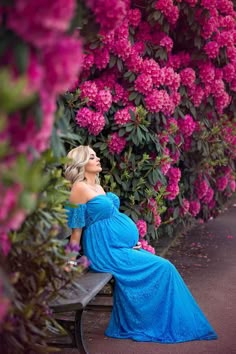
<point x="93" y="165"/>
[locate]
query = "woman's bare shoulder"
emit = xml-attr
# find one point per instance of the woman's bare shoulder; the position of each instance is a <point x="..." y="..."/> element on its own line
<point x="79" y="193"/>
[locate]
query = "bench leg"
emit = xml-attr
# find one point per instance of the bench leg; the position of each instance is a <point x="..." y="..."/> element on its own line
<point x="79" y="341"/>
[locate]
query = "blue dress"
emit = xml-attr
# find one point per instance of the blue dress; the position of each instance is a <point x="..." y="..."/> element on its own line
<point x="151" y="301"/>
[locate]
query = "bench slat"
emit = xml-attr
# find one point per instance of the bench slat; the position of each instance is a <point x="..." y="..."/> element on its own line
<point x="74" y="298"/>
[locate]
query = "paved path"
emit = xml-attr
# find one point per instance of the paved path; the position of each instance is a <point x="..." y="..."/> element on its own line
<point x="206" y="258"/>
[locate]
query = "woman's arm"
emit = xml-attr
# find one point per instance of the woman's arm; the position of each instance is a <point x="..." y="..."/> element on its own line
<point x="75" y="236"/>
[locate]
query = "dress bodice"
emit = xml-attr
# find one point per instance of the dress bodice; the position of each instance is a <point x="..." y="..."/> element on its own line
<point x="99" y="207"/>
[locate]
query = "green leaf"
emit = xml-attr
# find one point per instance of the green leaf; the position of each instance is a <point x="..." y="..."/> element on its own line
<point x="119" y="64"/>
<point x="156" y="15"/>
<point x="112" y="61"/>
<point x="133" y="95"/>
<point x="21" y="51"/>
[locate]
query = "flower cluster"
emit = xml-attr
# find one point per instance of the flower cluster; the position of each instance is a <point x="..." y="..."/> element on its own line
<point x="152" y="206"/>
<point x="142" y="227"/>
<point x="54" y="61"/>
<point x="172" y="189"/>
<point x="116" y="143"/>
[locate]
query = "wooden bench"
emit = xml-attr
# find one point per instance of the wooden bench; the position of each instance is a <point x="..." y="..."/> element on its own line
<point x="69" y="305"/>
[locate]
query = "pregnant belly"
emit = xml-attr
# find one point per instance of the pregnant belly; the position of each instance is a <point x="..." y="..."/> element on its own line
<point x="123" y="231"/>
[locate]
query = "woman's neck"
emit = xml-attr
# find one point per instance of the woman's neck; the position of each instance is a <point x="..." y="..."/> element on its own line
<point x="90" y="180"/>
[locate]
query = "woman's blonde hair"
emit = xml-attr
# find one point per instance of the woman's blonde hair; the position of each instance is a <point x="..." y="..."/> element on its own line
<point x="74" y="170"/>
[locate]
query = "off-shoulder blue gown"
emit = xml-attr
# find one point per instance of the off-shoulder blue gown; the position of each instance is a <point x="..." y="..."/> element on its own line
<point x="151" y="301"/>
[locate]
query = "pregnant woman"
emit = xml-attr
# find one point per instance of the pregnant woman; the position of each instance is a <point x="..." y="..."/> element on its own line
<point x="151" y="301"/>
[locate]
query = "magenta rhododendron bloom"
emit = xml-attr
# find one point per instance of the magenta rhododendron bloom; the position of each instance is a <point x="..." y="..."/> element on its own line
<point x="109" y="13"/>
<point x="194" y="207"/>
<point x="188" y="77"/>
<point x="184" y="208"/>
<point x="41" y="22"/>
<point x="116" y="143"/>
<point x="201" y="187"/>
<point x="208" y="196"/>
<point x="212" y="49"/>
<point x="168" y="9"/>
<point x="143" y="84"/>
<point x="122" y="116"/>
<point x="97" y="123"/>
<point x="84" y="117"/>
<point x="142" y="227"/>
<point x="186" y="125"/>
<point x="172" y="190"/>
<point x="61" y="61"/>
<point x="174" y="174"/>
<point x="134" y="17"/>
<point x="103" y="101"/>
<point x="89" y="91"/>
<point x="5" y="244"/>
<point x="101" y="58"/>
<point x="232" y="185"/>
<point x="221" y="183"/>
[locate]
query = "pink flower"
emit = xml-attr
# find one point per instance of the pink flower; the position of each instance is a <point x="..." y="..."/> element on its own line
<point x="201" y="187"/>
<point x="174" y="174"/>
<point x="116" y="143"/>
<point x="184" y="208"/>
<point x="109" y="13"/>
<point x="192" y="3"/>
<point x="151" y="67"/>
<point x="88" y="61"/>
<point x="206" y="73"/>
<point x="143" y="33"/>
<point x="103" y="101"/>
<point x="172" y="190"/>
<point x="154" y="101"/>
<point x="208" y="196"/>
<point x="186" y="125"/>
<point x="165" y="166"/>
<point x="175" y="156"/>
<point x="143" y="84"/>
<point x="221" y="183"/>
<point x="5" y="244"/>
<point x="146" y="246"/>
<point x="118" y="93"/>
<point x="194" y="207"/>
<point x="122" y="116"/>
<point x="134" y="17"/>
<point x="62" y="62"/>
<point x="83" y="117"/>
<point x="122" y="48"/>
<point x="167" y="43"/>
<point x="232" y="185"/>
<point x="101" y="58"/>
<point x="188" y="77"/>
<point x="16" y="219"/>
<point x="169" y="10"/>
<point x="88" y="91"/>
<point x="134" y="61"/>
<point x="41" y="23"/>
<point x="212" y="49"/>
<point x="229" y="72"/>
<point x="142" y="227"/>
<point x="196" y="94"/>
<point x="222" y="102"/>
<point x="96" y="123"/>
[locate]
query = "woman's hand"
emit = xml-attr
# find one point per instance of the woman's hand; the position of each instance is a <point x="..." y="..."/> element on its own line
<point x="137" y="246"/>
